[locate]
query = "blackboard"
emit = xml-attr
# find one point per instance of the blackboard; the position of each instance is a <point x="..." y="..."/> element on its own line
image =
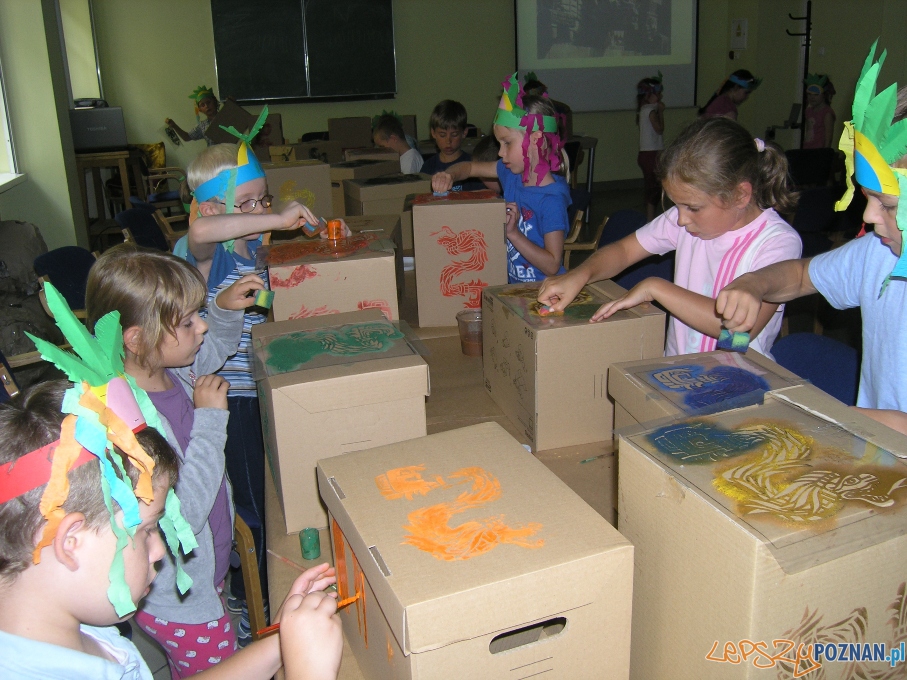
<point x="304" y="49"/>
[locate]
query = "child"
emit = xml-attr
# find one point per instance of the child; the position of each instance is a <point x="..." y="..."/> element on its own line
<point x="867" y="272"/>
<point x="448" y="128"/>
<point x="388" y="134"/>
<point x="733" y="92"/>
<point x="537" y="200"/>
<point x="725" y="187"/>
<point x="59" y="599"/>
<point x="158" y="297"/>
<point x="819" y="116"/>
<point x="650" y="119"/>
<point x="206" y="103"/>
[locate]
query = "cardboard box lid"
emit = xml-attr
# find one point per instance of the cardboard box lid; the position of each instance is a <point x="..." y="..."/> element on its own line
<point x="319" y="361"/>
<point x="388" y="186"/>
<point x="383" y="225"/>
<point x="303" y="250"/>
<point x="350" y="131"/>
<point x="805" y="475"/>
<point x="697" y="384"/>
<point x="451" y="198"/>
<point x="289" y="165"/>
<point x="363" y="168"/>
<point x="494" y="487"/>
<point x="230" y="114"/>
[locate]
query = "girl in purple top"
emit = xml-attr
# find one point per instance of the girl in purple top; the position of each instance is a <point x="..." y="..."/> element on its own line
<point x="168" y="354"/>
<point x="733" y="92"/>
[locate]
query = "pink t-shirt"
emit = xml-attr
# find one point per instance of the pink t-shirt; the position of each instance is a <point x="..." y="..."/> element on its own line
<point x="721" y="106"/>
<point x="705" y="267"/>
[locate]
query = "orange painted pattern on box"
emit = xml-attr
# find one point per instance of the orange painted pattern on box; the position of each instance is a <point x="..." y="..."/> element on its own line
<point x="305" y="312"/>
<point x="300" y="274"/>
<point x="406" y="482"/>
<point x="471" y="241"/>
<point x="343" y="586"/>
<point x="383" y="305"/>
<point x="292" y="250"/>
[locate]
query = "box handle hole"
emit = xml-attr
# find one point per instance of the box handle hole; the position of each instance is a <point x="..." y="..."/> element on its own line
<point x="527" y="635"/>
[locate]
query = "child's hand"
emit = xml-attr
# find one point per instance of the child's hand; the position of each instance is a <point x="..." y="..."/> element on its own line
<point x="311" y="638"/>
<point x="638" y="294"/>
<point x="169" y="121"/>
<point x="211" y="392"/>
<point x="738" y="304"/>
<point x="441" y="182"/>
<point x="241" y="294"/>
<point x="559" y="291"/>
<point x="512" y="220"/>
<point x="295" y="215"/>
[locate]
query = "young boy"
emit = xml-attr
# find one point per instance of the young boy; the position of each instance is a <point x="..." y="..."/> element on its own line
<point x="205" y="103"/>
<point x="68" y="565"/>
<point x="448" y="128"/>
<point x="867" y="272"/>
<point x="388" y="134"/>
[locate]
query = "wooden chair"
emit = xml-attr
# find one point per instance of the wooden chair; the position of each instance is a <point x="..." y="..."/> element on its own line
<point x="245" y="546"/>
<point x="571" y="244"/>
<point x="166" y="224"/>
<point x="67" y="268"/>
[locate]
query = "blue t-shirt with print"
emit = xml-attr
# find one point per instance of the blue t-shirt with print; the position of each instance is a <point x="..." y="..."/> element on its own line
<point x="542" y="210"/>
<point x="434" y="165"/>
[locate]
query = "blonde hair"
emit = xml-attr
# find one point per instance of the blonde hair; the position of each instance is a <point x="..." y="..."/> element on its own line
<point x="210" y="163"/>
<point x="714" y="155"/>
<point x="150" y="289"/>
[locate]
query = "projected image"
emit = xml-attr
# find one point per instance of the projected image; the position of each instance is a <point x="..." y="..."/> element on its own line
<point x="599" y="28"/>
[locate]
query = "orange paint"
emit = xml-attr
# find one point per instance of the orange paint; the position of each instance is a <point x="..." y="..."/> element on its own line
<point x="359" y="579"/>
<point x="383" y="305"/>
<point x="299" y="274"/>
<point x="335" y="230"/>
<point x="406" y="482"/>
<point x="431" y="532"/>
<point x="343" y="585"/>
<point x="349" y="600"/>
<point x="390" y="649"/>
<point x="292" y="250"/>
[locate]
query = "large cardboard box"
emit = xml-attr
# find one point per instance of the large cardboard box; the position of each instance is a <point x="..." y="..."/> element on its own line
<point x="693" y="384"/>
<point x="382" y="195"/>
<point x="471" y="560"/>
<point x="460" y="249"/>
<point x="308" y="182"/>
<point x="312" y="277"/>
<point x="762" y="531"/>
<point x="330" y="385"/>
<point x="549" y="373"/>
<point x="230" y="114"/>
<point x="365" y="168"/>
<point x="321" y="150"/>
<point x="372" y="153"/>
<point x="351" y="131"/>
<point x="385" y="227"/>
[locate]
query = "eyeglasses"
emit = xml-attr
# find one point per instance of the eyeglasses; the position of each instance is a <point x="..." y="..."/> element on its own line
<point x="252" y="203"/>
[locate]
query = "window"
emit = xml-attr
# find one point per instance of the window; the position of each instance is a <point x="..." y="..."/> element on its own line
<point x="8" y="171"/>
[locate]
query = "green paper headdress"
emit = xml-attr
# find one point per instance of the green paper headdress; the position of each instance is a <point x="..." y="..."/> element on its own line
<point x="384" y="112"/>
<point x="201" y="92"/>
<point x="815" y="83"/>
<point x="110" y="407"/>
<point x="871" y="143"/>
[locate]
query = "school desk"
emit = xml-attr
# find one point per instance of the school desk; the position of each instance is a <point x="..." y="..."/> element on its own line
<point x="93" y="162"/>
<point x="458" y="399"/>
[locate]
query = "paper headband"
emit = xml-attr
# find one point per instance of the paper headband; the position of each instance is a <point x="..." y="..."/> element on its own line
<point x="651" y="85"/>
<point x="746" y="84"/>
<point x="201" y="92"/>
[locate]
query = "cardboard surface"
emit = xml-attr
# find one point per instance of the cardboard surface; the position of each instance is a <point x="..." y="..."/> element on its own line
<point x="460" y="249"/>
<point x="368" y="151"/>
<point x="549" y="374"/>
<point x="694" y="384"/>
<point x="331" y="385"/>
<point x="784" y="521"/>
<point x="382" y="195"/>
<point x="386" y="227"/>
<point x="424" y="589"/>
<point x="321" y="150"/>
<point x="351" y="131"/>
<point x="307" y="182"/>
<point x="230" y="114"/>
<point x="364" y="168"/>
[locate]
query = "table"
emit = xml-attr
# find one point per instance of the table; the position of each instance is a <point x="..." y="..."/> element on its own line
<point x="458" y="399"/>
<point x="93" y="162"/>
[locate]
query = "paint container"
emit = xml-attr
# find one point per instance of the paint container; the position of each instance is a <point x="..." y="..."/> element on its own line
<point x="310" y="544"/>
<point x="470" y="324"/>
<point x="335" y="230"/>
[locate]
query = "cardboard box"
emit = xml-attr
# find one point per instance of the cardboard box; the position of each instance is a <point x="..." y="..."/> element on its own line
<point x="324" y="151"/>
<point x="549" y="374"/>
<point x="460" y="249"/>
<point x="784" y="521"/>
<point x="373" y="153"/>
<point x="382" y="195"/>
<point x="350" y="132"/>
<point x="364" y="388"/>
<point x="230" y="114"/>
<point x="313" y="277"/>
<point x="386" y="227"/>
<point x="409" y="125"/>
<point x="365" y="168"/>
<point x="693" y="384"/>
<point x="530" y="581"/>
<point x="271" y="132"/>
<point x="308" y="182"/>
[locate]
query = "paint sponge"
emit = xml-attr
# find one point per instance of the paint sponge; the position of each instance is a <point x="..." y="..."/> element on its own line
<point x="264" y="299"/>
<point x="735" y="342"/>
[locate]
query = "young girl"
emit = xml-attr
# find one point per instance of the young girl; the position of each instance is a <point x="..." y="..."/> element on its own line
<point x="650" y="119"/>
<point x="819" y="116"/>
<point x="158" y="297"/>
<point x="733" y="92"/>
<point x="537" y="199"/>
<point x="725" y="187"/>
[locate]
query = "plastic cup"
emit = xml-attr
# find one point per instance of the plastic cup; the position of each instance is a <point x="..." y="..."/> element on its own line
<point x="335" y="230"/>
<point x="470" y="323"/>
<point x="310" y="544"/>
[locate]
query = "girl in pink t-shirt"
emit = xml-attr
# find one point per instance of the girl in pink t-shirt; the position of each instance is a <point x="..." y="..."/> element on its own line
<point x="725" y="187"/>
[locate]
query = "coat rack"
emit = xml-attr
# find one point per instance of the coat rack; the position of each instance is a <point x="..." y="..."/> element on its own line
<point x="808" y="35"/>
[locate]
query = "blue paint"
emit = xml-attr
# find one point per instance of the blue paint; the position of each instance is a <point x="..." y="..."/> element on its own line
<point x="709" y="390"/>
<point x="697" y="442"/>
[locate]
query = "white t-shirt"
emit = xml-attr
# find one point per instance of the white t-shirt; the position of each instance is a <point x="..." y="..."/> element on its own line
<point x="411" y="162"/>
<point x="705" y="267"/>
<point x="649" y="140"/>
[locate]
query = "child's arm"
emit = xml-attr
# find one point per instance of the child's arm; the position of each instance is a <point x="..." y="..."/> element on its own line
<point x="695" y="310"/>
<point x="656" y="117"/>
<point x="209" y="230"/>
<point x="178" y="130"/>
<point x="559" y="291"/>
<point x="444" y="180"/>
<point x="896" y="420"/>
<point x="314" y="636"/>
<point x="547" y="259"/>
<point x="225" y="325"/>
<point x="740" y="301"/>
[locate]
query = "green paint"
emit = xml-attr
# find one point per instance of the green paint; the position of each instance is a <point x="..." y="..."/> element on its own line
<point x="581" y="312"/>
<point x="290" y="352"/>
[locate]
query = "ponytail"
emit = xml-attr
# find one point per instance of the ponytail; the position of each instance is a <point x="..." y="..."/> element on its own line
<point x="773" y="189"/>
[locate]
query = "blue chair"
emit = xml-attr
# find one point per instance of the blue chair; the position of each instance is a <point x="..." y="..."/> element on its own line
<point x="620" y="224"/>
<point x="659" y="266"/>
<point x="143" y="228"/>
<point x="815" y="218"/>
<point x="830" y="365"/>
<point x="67" y="268"/>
